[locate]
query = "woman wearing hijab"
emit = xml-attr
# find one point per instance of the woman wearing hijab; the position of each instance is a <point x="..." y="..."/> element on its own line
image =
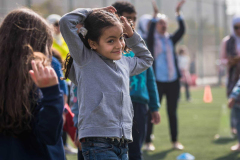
<point x="162" y="46"/>
<point x="230" y="56"/>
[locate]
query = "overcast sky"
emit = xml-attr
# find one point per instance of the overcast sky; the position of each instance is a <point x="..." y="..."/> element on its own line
<point x="233" y="6"/>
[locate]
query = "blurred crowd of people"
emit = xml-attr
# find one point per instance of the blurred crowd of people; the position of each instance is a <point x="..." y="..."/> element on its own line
<point x="90" y="76"/>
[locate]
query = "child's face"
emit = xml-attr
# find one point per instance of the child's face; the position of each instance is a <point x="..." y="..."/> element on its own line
<point x="111" y="44"/>
<point x="131" y="16"/>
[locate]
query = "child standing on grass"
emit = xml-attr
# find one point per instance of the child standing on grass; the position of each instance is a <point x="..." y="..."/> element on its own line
<point x="101" y="74"/>
<point x="162" y="46"/>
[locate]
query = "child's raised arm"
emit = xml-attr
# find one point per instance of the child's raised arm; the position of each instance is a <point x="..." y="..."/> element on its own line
<point x="68" y="27"/>
<point x="143" y="58"/>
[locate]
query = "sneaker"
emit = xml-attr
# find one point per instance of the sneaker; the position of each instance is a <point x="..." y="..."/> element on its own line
<point x="149" y="147"/>
<point x="70" y="150"/>
<point x="178" y="146"/>
<point x="235" y="147"/>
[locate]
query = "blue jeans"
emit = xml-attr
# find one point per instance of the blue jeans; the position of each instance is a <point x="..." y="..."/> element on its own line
<point x="104" y="150"/>
<point x="236" y="111"/>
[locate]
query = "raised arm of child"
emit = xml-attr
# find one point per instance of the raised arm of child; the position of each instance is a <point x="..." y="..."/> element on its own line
<point x="49" y="121"/>
<point x="143" y="58"/>
<point x="68" y="27"/>
<point x="70" y="24"/>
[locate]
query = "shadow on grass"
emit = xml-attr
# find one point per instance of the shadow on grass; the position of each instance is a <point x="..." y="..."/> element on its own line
<point x="160" y="155"/>
<point x="224" y="140"/>
<point x="231" y="156"/>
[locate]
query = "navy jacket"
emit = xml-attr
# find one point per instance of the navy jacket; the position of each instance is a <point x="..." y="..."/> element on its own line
<point x="56" y="65"/>
<point x="44" y="141"/>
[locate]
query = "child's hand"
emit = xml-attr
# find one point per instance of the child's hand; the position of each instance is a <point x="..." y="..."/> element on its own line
<point x="231" y="103"/>
<point x="179" y="6"/>
<point x="109" y="9"/>
<point x="43" y="76"/>
<point x="127" y="29"/>
<point x="77" y="142"/>
<point x="78" y="26"/>
<point x="156" y="118"/>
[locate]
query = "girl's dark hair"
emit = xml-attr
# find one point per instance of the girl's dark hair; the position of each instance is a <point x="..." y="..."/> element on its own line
<point x="124" y="6"/>
<point x="103" y="20"/>
<point x="22" y="33"/>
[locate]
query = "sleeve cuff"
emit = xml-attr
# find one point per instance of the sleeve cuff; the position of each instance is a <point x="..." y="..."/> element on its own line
<point x="50" y="91"/>
<point x="180" y="17"/>
<point x="233" y="96"/>
<point x="83" y="11"/>
<point x="135" y="39"/>
<point x="155" y="108"/>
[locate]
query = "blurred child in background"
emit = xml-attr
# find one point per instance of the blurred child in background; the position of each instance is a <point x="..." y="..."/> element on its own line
<point x="184" y="64"/>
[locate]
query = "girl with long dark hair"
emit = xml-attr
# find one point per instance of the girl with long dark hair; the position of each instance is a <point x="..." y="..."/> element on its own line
<point x="31" y="103"/>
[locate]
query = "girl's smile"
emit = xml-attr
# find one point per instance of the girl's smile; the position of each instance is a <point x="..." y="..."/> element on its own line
<point x="111" y="44"/>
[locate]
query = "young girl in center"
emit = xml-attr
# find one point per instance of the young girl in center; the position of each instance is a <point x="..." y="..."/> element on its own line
<point x="102" y="76"/>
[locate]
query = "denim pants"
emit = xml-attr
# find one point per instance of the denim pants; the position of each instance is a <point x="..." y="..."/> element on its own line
<point x="233" y="118"/>
<point x="236" y="111"/>
<point x="104" y="150"/>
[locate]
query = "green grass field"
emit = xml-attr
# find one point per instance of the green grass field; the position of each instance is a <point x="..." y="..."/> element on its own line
<point x="199" y="123"/>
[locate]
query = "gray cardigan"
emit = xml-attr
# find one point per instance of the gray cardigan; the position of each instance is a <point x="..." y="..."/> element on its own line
<point x="105" y="107"/>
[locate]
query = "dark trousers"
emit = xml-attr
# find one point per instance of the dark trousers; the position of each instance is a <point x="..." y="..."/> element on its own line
<point x="149" y="128"/>
<point x="187" y="92"/>
<point x="171" y="90"/>
<point x="64" y="137"/>
<point x="80" y="155"/>
<point x="138" y="131"/>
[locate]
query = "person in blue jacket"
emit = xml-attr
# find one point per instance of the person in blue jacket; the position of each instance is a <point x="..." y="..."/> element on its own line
<point x="31" y="101"/>
<point x="143" y="91"/>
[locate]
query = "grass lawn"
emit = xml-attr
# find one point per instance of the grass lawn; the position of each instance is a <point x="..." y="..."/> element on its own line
<point x="199" y="124"/>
